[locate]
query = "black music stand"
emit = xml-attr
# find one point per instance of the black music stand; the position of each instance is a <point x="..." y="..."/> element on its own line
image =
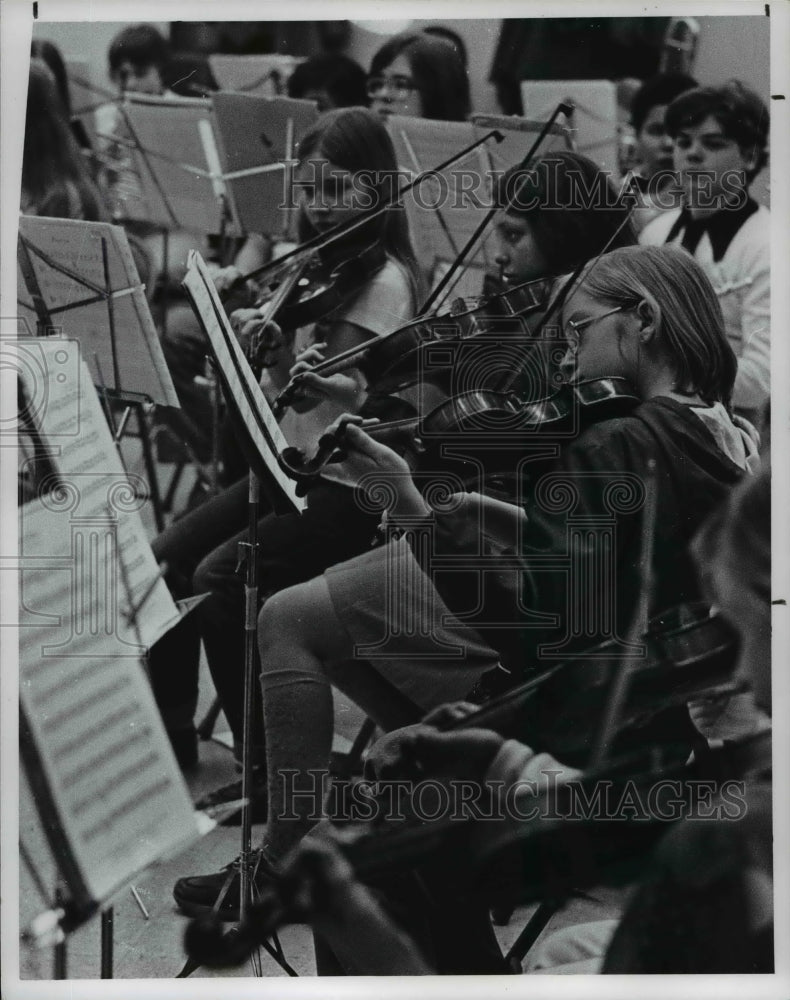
<point x="261" y="441"/>
<point x="133" y="402"/>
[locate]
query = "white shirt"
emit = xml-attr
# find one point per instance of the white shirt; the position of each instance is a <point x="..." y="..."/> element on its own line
<point x="747" y="316"/>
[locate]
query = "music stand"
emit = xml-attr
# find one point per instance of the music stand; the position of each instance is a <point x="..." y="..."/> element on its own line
<point x="257" y="139"/>
<point x="261" y="441"/>
<point x="107" y="788"/>
<point x="82" y="284"/>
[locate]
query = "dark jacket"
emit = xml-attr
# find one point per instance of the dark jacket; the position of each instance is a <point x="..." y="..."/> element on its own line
<point x="577" y="578"/>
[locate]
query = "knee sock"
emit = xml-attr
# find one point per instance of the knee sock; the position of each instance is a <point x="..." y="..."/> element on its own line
<point x="298" y="721"/>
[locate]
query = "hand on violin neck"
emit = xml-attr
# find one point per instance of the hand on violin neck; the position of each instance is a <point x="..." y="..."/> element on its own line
<point x="449" y="713"/>
<point x="236" y="292"/>
<point x="374" y="467"/>
<point x="261" y="340"/>
<point x="310" y="388"/>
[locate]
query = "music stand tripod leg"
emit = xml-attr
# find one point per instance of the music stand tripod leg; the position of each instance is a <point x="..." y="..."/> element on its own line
<point x="107" y="923"/>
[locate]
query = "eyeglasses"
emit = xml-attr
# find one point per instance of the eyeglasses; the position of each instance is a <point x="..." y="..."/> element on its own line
<point x="400" y="87"/>
<point x="574" y="327"/>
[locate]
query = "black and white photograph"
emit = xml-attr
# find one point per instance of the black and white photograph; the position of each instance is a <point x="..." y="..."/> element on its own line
<point x="393" y="569"/>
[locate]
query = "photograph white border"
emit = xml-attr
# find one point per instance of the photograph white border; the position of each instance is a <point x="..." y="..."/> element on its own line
<point x="15" y="33"/>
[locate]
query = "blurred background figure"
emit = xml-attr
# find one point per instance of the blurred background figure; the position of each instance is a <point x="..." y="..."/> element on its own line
<point x="419" y="75"/>
<point x="331" y="80"/>
<point x="55" y="178"/>
<point x="653" y="146"/>
<point x="138" y="59"/>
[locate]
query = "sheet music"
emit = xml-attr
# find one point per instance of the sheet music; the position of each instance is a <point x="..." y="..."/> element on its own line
<point x="594" y="121"/>
<point x="77" y="246"/>
<point x="255" y="411"/>
<point x="174" y="169"/>
<point x="420" y="144"/>
<point x="518" y="136"/>
<point x="84" y="563"/>
<point x="253" y="132"/>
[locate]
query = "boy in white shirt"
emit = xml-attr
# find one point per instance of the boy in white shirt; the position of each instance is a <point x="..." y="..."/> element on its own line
<point x="720" y="136"/>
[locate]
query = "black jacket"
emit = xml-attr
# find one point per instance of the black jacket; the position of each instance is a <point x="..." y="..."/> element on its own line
<point x="576" y="580"/>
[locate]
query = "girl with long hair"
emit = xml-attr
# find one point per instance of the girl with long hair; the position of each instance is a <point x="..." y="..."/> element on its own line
<point x="534" y="239"/>
<point x="419" y="75"/>
<point x="55" y="178"/>
<point x="348" y="149"/>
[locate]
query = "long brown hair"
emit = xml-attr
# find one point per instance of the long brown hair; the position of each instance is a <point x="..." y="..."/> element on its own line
<point x="51" y="156"/>
<point x="438" y="69"/>
<point x="356" y="140"/>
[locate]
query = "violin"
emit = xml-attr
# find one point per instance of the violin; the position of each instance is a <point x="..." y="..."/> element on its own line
<point x="482" y="419"/>
<point x="397" y="360"/>
<point x="310" y="289"/>
<point x="547" y="853"/>
<point x="688" y="651"/>
<point x="324" y="281"/>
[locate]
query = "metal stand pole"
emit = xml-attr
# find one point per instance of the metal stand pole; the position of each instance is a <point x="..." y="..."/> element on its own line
<point x="150" y="468"/>
<point x="60" y="953"/>
<point x="250" y="550"/>
<point x="107" y="921"/>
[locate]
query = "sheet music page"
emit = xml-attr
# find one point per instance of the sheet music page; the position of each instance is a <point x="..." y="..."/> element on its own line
<point x="174" y="169"/>
<point x="77" y="246"/>
<point x="258" y="418"/>
<point x="421" y="144"/>
<point x="84" y="566"/>
<point x="517" y="140"/>
<point x="594" y="120"/>
<point x="254" y="132"/>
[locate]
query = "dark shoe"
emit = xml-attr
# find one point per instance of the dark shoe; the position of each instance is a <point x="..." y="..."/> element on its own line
<point x="232" y="793"/>
<point x="185" y="747"/>
<point x="197" y="895"/>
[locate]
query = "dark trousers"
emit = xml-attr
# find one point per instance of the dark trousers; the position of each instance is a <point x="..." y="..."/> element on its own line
<point x="202" y="552"/>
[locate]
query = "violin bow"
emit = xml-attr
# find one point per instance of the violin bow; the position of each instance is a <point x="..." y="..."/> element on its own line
<point x="566" y="109"/>
<point x="618" y="691"/>
<point x="322" y="240"/>
<point x="570" y="286"/>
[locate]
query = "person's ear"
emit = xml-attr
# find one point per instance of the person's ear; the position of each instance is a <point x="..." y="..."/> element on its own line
<point x="649" y="315"/>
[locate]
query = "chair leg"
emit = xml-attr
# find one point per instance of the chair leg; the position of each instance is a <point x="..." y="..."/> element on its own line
<point x="530" y="934"/>
<point x="344" y="765"/>
<point x="206" y="725"/>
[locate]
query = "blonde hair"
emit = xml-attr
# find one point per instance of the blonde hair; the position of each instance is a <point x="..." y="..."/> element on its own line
<point x="691" y="328"/>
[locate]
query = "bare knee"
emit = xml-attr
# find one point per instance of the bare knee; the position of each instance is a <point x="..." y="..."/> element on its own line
<point x="278" y="620"/>
<point x="301" y="618"/>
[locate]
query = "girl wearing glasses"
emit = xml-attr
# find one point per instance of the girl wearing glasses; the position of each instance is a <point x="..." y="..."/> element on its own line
<point x="419" y="75"/>
<point x="647" y="315"/>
